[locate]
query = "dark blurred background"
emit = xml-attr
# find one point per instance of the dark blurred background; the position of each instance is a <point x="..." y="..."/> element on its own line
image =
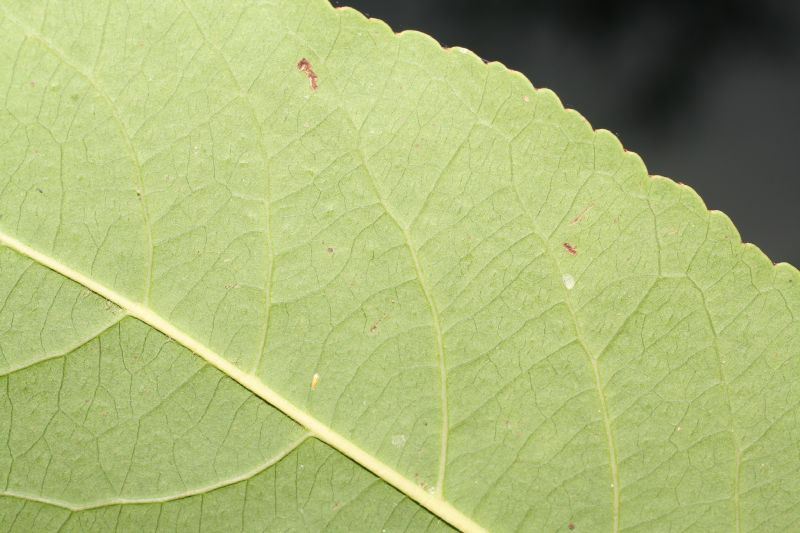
<point x="707" y="92"/>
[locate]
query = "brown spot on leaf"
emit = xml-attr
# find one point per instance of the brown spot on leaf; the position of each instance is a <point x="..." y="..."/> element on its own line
<point x="571" y="249"/>
<point x="377" y="324"/>
<point x="304" y="66"/>
<point x="582" y="215"/>
<point x="571" y="526"/>
<point x="330" y="249"/>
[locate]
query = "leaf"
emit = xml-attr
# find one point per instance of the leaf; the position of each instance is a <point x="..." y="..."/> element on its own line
<point x="271" y="266"/>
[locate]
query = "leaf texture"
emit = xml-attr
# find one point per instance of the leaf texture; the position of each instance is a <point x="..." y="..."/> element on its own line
<point x="267" y="266"/>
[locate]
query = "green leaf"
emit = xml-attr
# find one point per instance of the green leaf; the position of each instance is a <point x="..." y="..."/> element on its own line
<point x="269" y="266"/>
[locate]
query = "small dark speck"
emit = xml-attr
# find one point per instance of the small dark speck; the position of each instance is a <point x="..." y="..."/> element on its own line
<point x="571" y="526"/>
<point x="330" y="249"/>
<point x="40" y="191"/>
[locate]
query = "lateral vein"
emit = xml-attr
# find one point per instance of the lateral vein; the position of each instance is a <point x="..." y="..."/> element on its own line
<point x="272" y="461"/>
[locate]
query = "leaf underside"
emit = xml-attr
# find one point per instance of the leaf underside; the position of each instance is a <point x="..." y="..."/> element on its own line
<point x="267" y="266"/>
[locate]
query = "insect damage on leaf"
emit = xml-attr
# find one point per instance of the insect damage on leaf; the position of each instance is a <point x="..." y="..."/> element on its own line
<point x="304" y="66"/>
<point x="571" y="249"/>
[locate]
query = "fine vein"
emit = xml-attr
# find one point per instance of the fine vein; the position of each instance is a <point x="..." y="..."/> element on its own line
<point x="138" y="180"/>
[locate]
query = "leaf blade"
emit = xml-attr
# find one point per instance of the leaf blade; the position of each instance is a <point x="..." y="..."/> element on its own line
<point x="455" y="280"/>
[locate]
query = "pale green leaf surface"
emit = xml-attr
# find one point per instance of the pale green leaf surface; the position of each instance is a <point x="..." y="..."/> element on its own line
<point x="191" y="233"/>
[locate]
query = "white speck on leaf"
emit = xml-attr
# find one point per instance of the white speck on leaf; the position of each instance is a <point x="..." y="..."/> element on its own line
<point x="398" y="441"/>
<point x="569" y="281"/>
<point x="314" y="381"/>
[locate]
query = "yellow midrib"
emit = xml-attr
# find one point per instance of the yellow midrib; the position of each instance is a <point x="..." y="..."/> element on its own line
<point x="321" y="431"/>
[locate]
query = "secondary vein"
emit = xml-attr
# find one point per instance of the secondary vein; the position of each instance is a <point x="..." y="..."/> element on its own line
<point x="272" y="461"/>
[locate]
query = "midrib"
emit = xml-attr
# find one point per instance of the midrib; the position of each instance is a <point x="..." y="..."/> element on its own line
<point x="319" y="430"/>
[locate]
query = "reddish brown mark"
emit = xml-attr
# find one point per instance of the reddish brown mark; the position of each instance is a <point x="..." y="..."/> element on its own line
<point x="571" y="249"/>
<point x="304" y="66"/>
<point x="571" y="526"/>
<point x="582" y="214"/>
